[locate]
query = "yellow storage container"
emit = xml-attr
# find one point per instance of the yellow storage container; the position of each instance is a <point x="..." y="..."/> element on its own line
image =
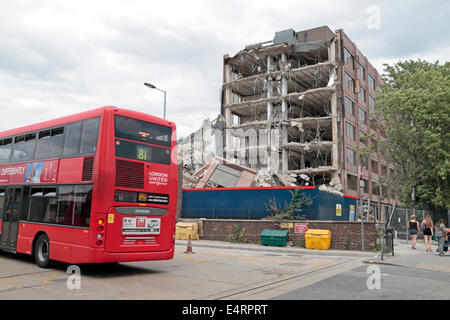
<point x="318" y="239"/>
<point x="184" y="229"/>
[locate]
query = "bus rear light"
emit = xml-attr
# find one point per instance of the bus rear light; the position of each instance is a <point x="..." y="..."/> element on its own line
<point x="99" y="236"/>
<point x="99" y="242"/>
<point x="100" y="229"/>
<point x="100" y="221"/>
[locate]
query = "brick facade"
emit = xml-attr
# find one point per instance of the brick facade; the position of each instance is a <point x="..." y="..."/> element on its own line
<point x="344" y="235"/>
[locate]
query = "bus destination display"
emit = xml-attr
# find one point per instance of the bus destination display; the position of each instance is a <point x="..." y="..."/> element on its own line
<point x="142" y="152"/>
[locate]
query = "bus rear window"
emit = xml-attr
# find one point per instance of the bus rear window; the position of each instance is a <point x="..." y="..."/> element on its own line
<point x="142" y="152"/>
<point x="137" y="130"/>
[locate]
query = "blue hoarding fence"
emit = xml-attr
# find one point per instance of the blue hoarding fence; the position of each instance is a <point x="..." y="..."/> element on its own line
<point x="245" y="213"/>
<point x="254" y="203"/>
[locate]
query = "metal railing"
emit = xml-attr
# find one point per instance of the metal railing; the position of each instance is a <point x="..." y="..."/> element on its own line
<point x="391" y="222"/>
<point x="385" y="240"/>
<point x="393" y="217"/>
<point x="397" y="218"/>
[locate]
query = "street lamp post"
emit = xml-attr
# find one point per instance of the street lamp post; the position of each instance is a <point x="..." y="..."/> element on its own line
<point x="361" y="193"/>
<point x="151" y="86"/>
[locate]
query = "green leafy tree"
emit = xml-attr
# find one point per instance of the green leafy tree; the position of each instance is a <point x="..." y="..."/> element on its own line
<point x="414" y="103"/>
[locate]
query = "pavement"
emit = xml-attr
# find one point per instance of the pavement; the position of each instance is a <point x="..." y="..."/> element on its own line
<point x="258" y="247"/>
<point x="404" y="255"/>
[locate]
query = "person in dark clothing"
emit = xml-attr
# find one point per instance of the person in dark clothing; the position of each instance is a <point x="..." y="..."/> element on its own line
<point x="427" y="228"/>
<point x="413" y="227"/>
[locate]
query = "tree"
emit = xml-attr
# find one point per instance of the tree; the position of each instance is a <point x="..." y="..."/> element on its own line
<point x="299" y="200"/>
<point x="414" y="104"/>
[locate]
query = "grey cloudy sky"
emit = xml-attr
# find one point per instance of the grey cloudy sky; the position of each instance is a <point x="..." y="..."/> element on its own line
<point x="63" y="57"/>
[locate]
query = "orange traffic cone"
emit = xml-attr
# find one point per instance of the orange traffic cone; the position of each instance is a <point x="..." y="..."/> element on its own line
<point x="189" y="246"/>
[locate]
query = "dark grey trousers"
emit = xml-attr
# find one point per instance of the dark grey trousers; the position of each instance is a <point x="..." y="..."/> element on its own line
<point x="441" y="241"/>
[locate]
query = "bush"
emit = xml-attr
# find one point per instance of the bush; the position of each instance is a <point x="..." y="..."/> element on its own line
<point x="291" y="209"/>
<point x="348" y="241"/>
<point x="238" y="235"/>
<point x="300" y="243"/>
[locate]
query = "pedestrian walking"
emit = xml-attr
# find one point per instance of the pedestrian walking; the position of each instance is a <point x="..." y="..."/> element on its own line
<point x="413" y="226"/>
<point x="441" y="232"/>
<point x="427" y="228"/>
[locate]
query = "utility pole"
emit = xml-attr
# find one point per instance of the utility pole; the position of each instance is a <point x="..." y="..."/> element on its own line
<point x="406" y="219"/>
<point x="378" y="202"/>
<point x="361" y="192"/>
<point x="380" y="223"/>
<point x="362" y="224"/>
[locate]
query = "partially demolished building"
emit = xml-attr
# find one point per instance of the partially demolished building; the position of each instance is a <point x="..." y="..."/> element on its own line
<point x="306" y="97"/>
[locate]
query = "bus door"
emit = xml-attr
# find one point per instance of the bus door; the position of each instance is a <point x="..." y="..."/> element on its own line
<point x="11" y="216"/>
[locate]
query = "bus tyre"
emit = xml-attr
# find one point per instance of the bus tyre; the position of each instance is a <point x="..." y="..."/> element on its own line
<point x="42" y="251"/>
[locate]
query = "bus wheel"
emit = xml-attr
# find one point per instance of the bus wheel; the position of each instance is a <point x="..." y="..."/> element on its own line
<point x="42" y="251"/>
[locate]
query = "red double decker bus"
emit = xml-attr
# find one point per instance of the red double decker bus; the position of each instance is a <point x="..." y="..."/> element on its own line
<point x="95" y="187"/>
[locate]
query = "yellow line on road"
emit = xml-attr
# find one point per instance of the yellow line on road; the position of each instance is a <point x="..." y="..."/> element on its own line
<point x="249" y="260"/>
<point x="10" y="282"/>
<point x="52" y="276"/>
<point x="285" y="278"/>
<point x="23" y="278"/>
<point x="189" y="258"/>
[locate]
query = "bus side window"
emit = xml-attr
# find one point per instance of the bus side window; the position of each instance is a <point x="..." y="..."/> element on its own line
<point x="5" y="150"/>
<point x="36" y="210"/>
<point x="89" y="136"/>
<point x="2" y="202"/>
<point x="73" y="139"/>
<point x="50" y="205"/>
<point x="25" y="203"/>
<point x="50" y="143"/>
<point x="43" y="205"/>
<point x="83" y="199"/>
<point x="24" y="149"/>
<point x="65" y="205"/>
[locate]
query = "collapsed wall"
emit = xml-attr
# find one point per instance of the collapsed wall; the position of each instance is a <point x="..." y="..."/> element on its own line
<point x="285" y="88"/>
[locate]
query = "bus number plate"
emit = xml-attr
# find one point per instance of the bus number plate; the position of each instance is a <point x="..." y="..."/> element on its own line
<point x="141" y="225"/>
